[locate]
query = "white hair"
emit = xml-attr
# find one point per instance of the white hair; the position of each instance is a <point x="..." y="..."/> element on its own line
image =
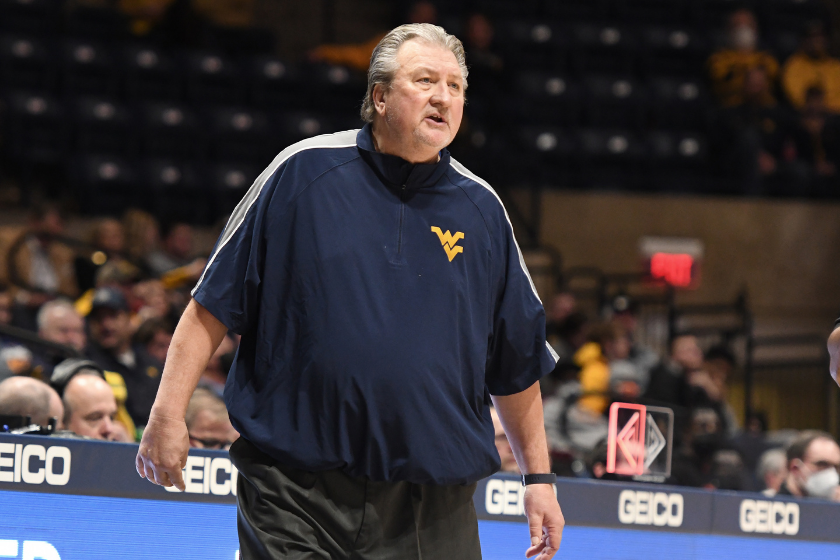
<point x="383" y="62"/>
<point x="771" y="461"/>
<point x="51" y="306"/>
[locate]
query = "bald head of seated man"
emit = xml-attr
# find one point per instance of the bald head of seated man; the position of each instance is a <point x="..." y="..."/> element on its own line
<point x="25" y="396"/>
<point x="90" y="407"/>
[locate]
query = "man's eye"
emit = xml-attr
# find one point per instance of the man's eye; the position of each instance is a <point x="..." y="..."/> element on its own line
<point x="426" y="80"/>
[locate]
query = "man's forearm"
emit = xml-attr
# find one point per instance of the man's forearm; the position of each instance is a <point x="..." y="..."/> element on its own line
<point x="196" y="337"/>
<point x="834" y="352"/>
<point x="522" y="418"/>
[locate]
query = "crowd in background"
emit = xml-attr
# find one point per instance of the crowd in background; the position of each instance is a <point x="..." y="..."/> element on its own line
<point x="104" y="312"/>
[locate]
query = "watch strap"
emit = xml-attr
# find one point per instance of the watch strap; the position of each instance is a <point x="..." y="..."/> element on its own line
<point x="549" y="478"/>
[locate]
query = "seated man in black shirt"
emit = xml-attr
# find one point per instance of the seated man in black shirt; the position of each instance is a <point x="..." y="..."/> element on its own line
<point x="111" y="348"/>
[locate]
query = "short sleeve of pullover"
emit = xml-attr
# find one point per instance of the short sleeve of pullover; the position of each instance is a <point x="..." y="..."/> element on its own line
<point x="519" y="355"/>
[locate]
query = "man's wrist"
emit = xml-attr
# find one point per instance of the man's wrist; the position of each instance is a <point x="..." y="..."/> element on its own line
<point x="539" y="478"/>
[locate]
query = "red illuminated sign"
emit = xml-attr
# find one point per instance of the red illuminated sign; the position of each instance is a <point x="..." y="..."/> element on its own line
<point x="626" y="447"/>
<point x="673" y="268"/>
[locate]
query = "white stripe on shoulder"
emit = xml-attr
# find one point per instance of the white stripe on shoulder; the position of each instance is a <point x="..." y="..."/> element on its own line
<point x="345" y="139"/>
<point x="459" y="167"/>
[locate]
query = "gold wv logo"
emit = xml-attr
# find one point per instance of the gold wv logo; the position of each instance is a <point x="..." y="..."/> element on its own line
<point x="449" y="242"/>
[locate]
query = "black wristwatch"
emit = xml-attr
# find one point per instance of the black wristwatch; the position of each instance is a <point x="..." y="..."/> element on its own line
<point x="549" y="478"/>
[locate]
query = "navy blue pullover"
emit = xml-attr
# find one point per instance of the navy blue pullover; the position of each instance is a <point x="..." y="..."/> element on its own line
<point x="380" y="304"/>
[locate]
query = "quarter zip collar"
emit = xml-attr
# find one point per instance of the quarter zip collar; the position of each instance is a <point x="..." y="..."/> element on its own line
<point x="396" y="172"/>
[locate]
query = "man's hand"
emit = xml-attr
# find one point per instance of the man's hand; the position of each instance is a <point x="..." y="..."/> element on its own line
<point x="545" y="521"/>
<point x="163" y="451"/>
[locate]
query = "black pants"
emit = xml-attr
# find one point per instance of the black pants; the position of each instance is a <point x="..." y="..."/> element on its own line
<point x="286" y="513"/>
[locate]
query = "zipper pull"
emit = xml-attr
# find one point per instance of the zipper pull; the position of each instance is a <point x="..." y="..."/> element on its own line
<point x="403" y="193"/>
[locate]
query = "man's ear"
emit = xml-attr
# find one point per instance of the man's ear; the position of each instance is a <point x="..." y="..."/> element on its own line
<point x="378" y="96"/>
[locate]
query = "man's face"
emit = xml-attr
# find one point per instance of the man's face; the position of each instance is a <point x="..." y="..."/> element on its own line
<point x="686" y="352"/>
<point x="425" y="102"/>
<point x="110" y="328"/>
<point x="92" y="407"/>
<point x="159" y="345"/>
<point x="179" y="242"/>
<point x="822" y="454"/>
<point x="210" y="431"/>
<point x="65" y="326"/>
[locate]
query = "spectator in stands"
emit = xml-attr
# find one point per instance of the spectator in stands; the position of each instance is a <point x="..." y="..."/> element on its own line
<point x="608" y="344"/>
<point x="357" y="56"/>
<point x="728" y="67"/>
<point x="65" y="371"/>
<point x="108" y="240"/>
<point x="141" y="236"/>
<point x="811" y="67"/>
<point x="508" y="461"/>
<point x="15" y="359"/>
<point x="756" y="134"/>
<point x="59" y="322"/>
<point x="772" y="471"/>
<point x="694" y="462"/>
<point x="813" y="462"/>
<point x="111" y="348"/>
<point x="718" y="366"/>
<point x="752" y="443"/>
<point x="177" y="249"/>
<point x="816" y="135"/>
<point x="39" y="264"/>
<point x="208" y="423"/>
<point x="90" y="408"/>
<point x="215" y="374"/>
<point x="24" y="396"/>
<point x="154" y="336"/>
<point x="625" y="312"/>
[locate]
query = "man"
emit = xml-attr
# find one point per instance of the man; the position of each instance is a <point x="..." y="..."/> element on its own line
<point x="813" y="462"/>
<point x="371" y="340"/>
<point x="772" y="471"/>
<point x="90" y="408"/>
<point x="812" y="67"/>
<point x="728" y="67"/>
<point x="208" y="423"/>
<point x="111" y="349"/>
<point x="24" y="396"/>
<point x="154" y="336"/>
<point x="59" y="322"/>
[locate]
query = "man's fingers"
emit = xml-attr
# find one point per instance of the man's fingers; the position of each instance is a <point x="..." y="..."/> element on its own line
<point x="140" y="466"/>
<point x="535" y="526"/>
<point x="177" y="478"/>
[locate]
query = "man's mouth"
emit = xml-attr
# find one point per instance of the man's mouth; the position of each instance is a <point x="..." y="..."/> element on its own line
<point x="437" y="119"/>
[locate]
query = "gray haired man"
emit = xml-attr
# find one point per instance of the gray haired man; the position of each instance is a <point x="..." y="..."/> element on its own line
<point x="383" y="304"/>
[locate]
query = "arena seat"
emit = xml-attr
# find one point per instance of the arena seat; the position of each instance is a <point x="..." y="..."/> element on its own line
<point x="335" y="88"/>
<point x="298" y="125"/>
<point x="178" y="190"/>
<point x="241" y="134"/>
<point x="682" y="149"/>
<point x="36" y="123"/>
<point x="229" y="181"/>
<point x="669" y="49"/>
<point x="578" y="9"/>
<point x="547" y="97"/>
<point x="614" y="101"/>
<point x="88" y="67"/>
<point x="27" y="62"/>
<point x="651" y="11"/>
<point x="149" y="73"/>
<point x="534" y="44"/>
<point x="102" y="125"/>
<point x="272" y="83"/>
<point x="170" y="130"/>
<point x="106" y="184"/>
<point x="212" y="77"/>
<point x="31" y="16"/>
<point x="678" y="103"/>
<point x="604" y="47"/>
<point x="545" y="154"/>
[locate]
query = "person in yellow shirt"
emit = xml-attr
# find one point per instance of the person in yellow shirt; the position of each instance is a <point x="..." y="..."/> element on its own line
<point x="812" y="67"/>
<point x="607" y="343"/>
<point x="728" y="66"/>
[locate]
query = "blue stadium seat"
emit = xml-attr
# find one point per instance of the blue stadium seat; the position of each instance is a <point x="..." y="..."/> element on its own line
<point x="26" y="62"/>
<point x="604" y="48"/>
<point x="679" y="103"/>
<point x="31" y="16"/>
<point x="149" y="73"/>
<point x="547" y="98"/>
<point x="272" y="83"/>
<point x="673" y="50"/>
<point x="242" y="135"/>
<point x="212" y="77"/>
<point x="105" y="184"/>
<point x="36" y="123"/>
<point x="88" y="68"/>
<point x="615" y="101"/>
<point x="651" y="11"/>
<point x="103" y="126"/>
<point x="533" y="44"/>
<point x="170" y="130"/>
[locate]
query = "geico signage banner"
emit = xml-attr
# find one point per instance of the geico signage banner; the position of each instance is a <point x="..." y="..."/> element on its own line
<point x="778" y="517"/>
<point x="28" y="550"/>
<point x="660" y="509"/>
<point x="96" y="468"/>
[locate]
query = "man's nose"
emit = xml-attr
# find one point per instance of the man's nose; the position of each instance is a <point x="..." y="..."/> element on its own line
<point x="107" y="428"/>
<point x="442" y="95"/>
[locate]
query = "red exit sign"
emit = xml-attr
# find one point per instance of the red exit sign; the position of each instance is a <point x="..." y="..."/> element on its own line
<point x="673" y="260"/>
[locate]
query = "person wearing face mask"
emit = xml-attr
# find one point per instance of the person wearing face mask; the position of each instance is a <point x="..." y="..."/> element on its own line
<point x="813" y="467"/>
<point x="729" y="65"/>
